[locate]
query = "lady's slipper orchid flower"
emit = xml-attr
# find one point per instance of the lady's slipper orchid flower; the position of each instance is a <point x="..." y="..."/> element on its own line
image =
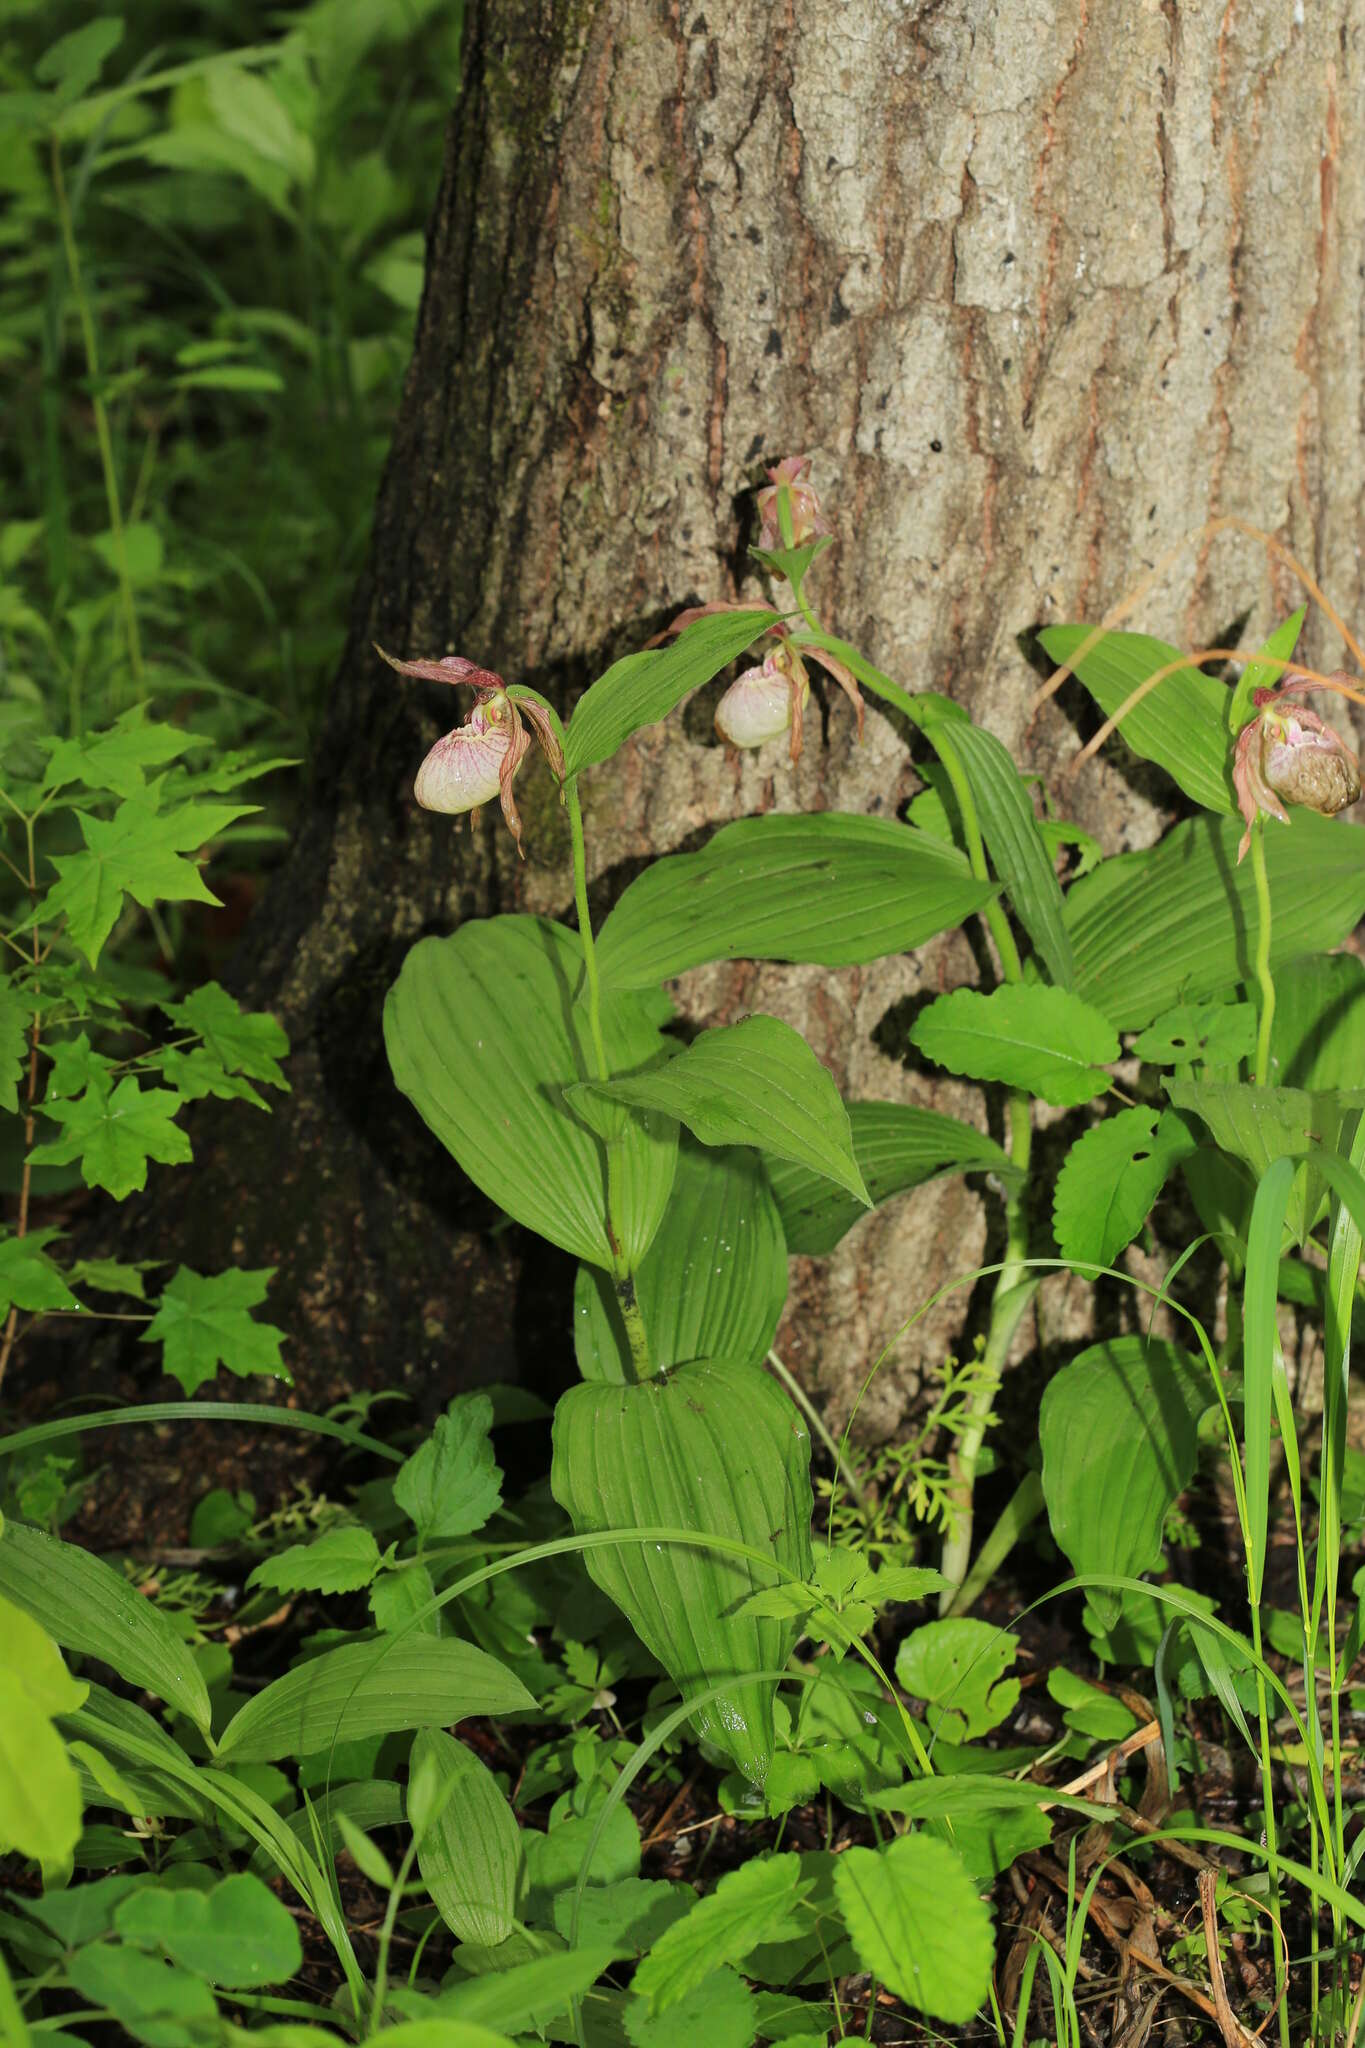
<point x="1286" y="754"/>
<point x="479" y="759"/>
<point x="769" y="700"/>
<point x="807" y="520"/>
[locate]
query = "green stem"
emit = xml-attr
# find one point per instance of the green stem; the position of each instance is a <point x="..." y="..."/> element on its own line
<point x="1264" y="979"/>
<point x="1268" y="1818"/>
<point x="381" y="1970"/>
<point x="103" y="436"/>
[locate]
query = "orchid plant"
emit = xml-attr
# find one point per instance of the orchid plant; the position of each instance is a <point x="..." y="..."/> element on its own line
<point x="683" y="1177"/>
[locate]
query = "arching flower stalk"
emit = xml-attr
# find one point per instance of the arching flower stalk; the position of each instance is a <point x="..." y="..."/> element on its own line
<point x="479" y="759"/>
<point x="807" y="520"/>
<point x="1287" y="755"/>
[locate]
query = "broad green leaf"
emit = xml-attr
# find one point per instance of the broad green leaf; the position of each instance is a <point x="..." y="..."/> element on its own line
<point x="753" y="1083"/>
<point x="73" y="63"/>
<point x="484" y="1037"/>
<point x="1258" y="1125"/>
<point x="916" y="1921"/>
<point x="398" y="1597"/>
<point x="1045" y="1040"/>
<point x="897" y="1146"/>
<point x="957" y="1667"/>
<point x="413" y="1681"/>
<point x="1118" y="1433"/>
<point x="113" y="1133"/>
<point x="723" y="2012"/>
<point x="969" y="1793"/>
<point x="525" y="1995"/>
<point x="1317" y="1037"/>
<point x="1211" y="1033"/>
<point x="471" y="1856"/>
<point x="118" y="758"/>
<point x="28" y="1277"/>
<point x="373" y="1803"/>
<point x="250" y="109"/>
<point x="90" y="1608"/>
<point x="555" y="1860"/>
<point x="1109" y="1180"/>
<point x="713" y="1282"/>
<point x="204" y="1320"/>
<point x="1153" y="929"/>
<point x="451" y="1484"/>
<point x="1181" y="724"/>
<point x="832" y="888"/>
<point x="338" y="1561"/>
<point x="628" y="1915"/>
<point x="139" y="852"/>
<point x="441" y="2033"/>
<point x="242" y="1042"/>
<point x="154" y="2001"/>
<point x="1265" y="675"/>
<point x="1015" y="844"/>
<point x="238" y="1934"/>
<point x="1088" y="1709"/>
<point x="14" y="1044"/>
<point x="758" y="1902"/>
<point x="640" y="689"/>
<point x="713" y="1448"/>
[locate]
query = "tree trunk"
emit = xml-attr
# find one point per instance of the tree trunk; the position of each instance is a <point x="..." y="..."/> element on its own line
<point x="1037" y="287"/>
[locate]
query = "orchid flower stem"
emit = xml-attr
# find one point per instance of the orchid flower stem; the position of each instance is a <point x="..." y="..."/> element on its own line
<point x="622" y="1278"/>
<point x="1264" y="978"/>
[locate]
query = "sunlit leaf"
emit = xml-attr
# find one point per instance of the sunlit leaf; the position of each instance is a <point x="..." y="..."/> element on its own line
<point x="1045" y="1040"/>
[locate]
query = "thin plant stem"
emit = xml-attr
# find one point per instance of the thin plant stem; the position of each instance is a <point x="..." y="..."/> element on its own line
<point x="1268" y="1817"/>
<point x="11" y="1331"/>
<point x="381" y="1968"/>
<point x="627" y="1301"/>
<point x="817" y="1422"/>
<point x="1264" y="979"/>
<point x="103" y="436"/>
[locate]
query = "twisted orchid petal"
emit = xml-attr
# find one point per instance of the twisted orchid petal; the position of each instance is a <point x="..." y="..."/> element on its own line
<point x="1287" y="751"/>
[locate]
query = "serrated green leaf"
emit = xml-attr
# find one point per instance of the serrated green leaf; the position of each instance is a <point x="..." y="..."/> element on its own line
<point x="627" y="1915"/>
<point x="1045" y="1040"/>
<point x="1017" y="850"/>
<point x="898" y="1146"/>
<point x="1110" y="1179"/>
<point x="957" y="1667"/>
<point x="712" y="1448"/>
<point x="414" y="1681"/>
<point x="113" y="1132"/>
<point x="1181" y="724"/>
<point x="204" y="1320"/>
<point x="640" y="689"/>
<point x="722" y="2011"/>
<point x="1152" y="929"/>
<point x="758" y="1902"/>
<point x="28" y="1277"/>
<point x="915" y="1919"/>
<point x="138" y="852"/>
<point x="242" y="1042"/>
<point x="485" y="1039"/>
<point x="713" y="1282"/>
<point x="1118" y="1432"/>
<point x="338" y="1561"/>
<point x="196" y="1073"/>
<point x="1208" y="1034"/>
<point x="754" y="1083"/>
<point x="88" y="1607"/>
<point x="117" y="759"/>
<point x="237" y="1934"/>
<point x="832" y="888"/>
<point x="14" y="1048"/>
<point x="471" y="1856"/>
<point x="451" y="1484"/>
<point x="399" y="1595"/>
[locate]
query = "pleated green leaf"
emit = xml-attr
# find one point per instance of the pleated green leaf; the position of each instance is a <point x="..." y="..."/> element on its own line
<point x="897" y="1146"/>
<point x="414" y="1681"/>
<point x="1317" y="1039"/>
<point x="713" y="1282"/>
<point x="754" y="1083"/>
<point x="1259" y="1125"/>
<point x="1181" y="724"/>
<point x="484" y="1037"/>
<point x="1015" y="845"/>
<point x="917" y="1923"/>
<point x="836" y="889"/>
<point x="1118" y="1433"/>
<point x="718" y="1449"/>
<point x="1045" y="1040"/>
<point x="85" y="1605"/>
<point x="1150" y="930"/>
<point x="470" y="1856"/>
<point x="640" y="689"/>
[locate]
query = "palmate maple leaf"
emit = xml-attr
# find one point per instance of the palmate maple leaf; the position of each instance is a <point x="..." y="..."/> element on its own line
<point x="114" y="1132"/>
<point x="138" y="852"/>
<point x="204" y="1320"/>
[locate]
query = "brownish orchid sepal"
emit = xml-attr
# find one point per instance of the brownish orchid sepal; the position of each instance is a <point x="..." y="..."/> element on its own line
<point x="1286" y="754"/>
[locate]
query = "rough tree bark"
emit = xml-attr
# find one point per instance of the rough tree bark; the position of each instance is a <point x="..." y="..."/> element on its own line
<point x="1038" y="286"/>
